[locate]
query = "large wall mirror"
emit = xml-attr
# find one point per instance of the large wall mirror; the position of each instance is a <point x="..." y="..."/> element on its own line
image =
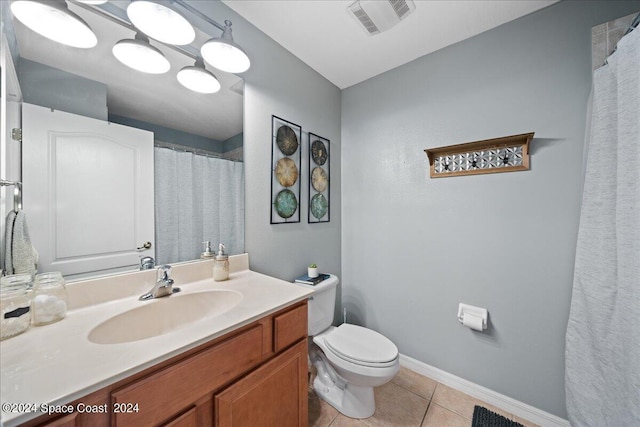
<point x="190" y="131"/>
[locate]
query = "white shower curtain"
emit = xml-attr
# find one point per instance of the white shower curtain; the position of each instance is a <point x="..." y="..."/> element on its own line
<point x="197" y="198"/>
<point x="603" y="332"/>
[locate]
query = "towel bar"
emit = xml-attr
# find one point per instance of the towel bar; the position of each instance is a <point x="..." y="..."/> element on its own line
<point x="17" y="193"/>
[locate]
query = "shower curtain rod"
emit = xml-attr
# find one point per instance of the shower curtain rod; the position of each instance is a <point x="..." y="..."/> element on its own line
<point x="187" y="149"/>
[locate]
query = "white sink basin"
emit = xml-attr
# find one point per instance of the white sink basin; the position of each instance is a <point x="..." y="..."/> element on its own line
<point x="163" y="315"/>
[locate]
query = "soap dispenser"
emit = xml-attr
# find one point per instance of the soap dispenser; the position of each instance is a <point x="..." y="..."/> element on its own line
<point x="221" y="265"/>
<point x="207" y="254"/>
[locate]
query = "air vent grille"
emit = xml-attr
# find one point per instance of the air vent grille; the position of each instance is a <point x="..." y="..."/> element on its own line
<point x="400" y="7"/>
<point x="377" y="16"/>
<point x="365" y="20"/>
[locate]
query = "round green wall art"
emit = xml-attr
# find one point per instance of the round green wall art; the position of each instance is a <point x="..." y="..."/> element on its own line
<point x="286" y="203"/>
<point x="319" y="206"/>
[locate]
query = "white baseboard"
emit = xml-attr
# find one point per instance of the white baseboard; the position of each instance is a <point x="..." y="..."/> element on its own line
<point x="515" y="407"/>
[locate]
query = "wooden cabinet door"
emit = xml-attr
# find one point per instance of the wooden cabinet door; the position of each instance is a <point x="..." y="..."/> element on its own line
<point x="273" y="395"/>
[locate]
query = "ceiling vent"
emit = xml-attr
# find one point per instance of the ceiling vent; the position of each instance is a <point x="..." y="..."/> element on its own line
<point x="377" y="16"/>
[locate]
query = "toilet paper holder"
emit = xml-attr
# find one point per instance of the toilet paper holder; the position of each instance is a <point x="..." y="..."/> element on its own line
<point x="473" y="311"/>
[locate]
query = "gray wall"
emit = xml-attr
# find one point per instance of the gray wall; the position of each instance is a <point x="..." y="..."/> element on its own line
<point x="49" y="87"/>
<point x="171" y="136"/>
<point x="280" y="84"/>
<point x="414" y="247"/>
<point x="234" y="142"/>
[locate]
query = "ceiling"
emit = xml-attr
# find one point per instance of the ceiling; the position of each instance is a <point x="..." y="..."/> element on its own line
<point x="321" y="33"/>
<point x="325" y="36"/>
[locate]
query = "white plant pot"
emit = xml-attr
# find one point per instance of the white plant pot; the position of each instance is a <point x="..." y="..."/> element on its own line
<point x="312" y="272"/>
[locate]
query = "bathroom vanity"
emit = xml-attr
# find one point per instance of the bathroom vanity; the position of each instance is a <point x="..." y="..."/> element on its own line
<point x="243" y="367"/>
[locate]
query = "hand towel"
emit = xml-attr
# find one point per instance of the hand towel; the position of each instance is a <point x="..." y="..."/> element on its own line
<point x="8" y="233"/>
<point x="23" y="255"/>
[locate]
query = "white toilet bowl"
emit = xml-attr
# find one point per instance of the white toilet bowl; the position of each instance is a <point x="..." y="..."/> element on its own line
<point x="351" y="360"/>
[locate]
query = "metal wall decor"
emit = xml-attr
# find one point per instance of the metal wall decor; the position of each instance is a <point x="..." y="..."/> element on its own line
<point x="319" y="202"/>
<point x="285" y="171"/>
<point x="506" y="154"/>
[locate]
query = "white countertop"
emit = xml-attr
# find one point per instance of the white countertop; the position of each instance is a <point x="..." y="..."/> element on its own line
<point x="56" y="364"/>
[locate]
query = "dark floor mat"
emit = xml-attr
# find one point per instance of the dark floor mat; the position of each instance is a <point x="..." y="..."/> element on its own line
<point x="482" y="417"/>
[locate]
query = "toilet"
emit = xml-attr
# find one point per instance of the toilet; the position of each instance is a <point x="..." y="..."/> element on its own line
<point x="350" y="360"/>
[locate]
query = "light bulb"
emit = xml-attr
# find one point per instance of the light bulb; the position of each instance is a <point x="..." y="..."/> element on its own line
<point x="140" y="55"/>
<point x="54" y="20"/>
<point x="198" y="79"/>
<point x="160" y="22"/>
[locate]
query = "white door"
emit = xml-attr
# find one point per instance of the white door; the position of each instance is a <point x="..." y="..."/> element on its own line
<point x="88" y="191"/>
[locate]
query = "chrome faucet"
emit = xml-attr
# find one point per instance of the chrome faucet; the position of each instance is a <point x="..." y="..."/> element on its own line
<point x="163" y="286"/>
<point x="147" y="263"/>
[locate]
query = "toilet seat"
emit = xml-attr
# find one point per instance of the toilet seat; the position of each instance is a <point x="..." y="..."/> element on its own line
<point x="361" y="346"/>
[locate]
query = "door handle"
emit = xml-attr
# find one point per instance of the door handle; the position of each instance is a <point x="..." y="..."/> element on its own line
<point x="147" y="245"/>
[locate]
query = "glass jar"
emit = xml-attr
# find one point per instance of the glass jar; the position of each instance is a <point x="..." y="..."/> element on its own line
<point x="15" y="305"/>
<point x="221" y="265"/>
<point x="221" y="269"/>
<point x="49" y="303"/>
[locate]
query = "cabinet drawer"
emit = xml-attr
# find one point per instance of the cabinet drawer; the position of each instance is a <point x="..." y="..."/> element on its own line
<point x="162" y="395"/>
<point x="289" y="327"/>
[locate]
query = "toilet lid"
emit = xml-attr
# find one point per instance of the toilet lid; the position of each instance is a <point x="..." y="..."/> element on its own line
<point x="361" y="344"/>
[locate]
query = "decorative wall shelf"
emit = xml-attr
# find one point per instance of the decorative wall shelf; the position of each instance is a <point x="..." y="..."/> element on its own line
<point x="506" y="154"/>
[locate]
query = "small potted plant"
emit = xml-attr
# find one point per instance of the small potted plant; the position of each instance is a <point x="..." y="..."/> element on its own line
<point x="312" y="271"/>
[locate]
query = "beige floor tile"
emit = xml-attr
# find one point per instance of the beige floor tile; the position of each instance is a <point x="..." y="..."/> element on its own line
<point x="397" y="407"/>
<point x="343" y="421"/>
<point x="321" y="414"/>
<point x="414" y="382"/>
<point x="460" y="403"/>
<point x="403" y="402"/>
<point x="437" y="416"/>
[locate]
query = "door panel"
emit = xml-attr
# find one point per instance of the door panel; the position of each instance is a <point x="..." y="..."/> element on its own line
<point x="88" y="191"/>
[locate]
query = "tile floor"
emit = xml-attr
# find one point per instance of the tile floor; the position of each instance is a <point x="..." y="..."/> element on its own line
<point x="408" y="400"/>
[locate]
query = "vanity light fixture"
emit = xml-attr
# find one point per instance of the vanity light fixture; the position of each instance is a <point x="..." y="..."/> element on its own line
<point x="198" y="79"/>
<point x="140" y="55"/>
<point x="160" y="22"/>
<point x="53" y="20"/>
<point x="224" y="54"/>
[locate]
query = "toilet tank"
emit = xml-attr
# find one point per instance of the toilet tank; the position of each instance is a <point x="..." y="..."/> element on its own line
<point x="322" y="305"/>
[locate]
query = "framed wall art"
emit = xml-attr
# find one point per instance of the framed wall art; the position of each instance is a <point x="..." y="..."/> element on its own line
<point x="285" y="171"/>
<point x="319" y="182"/>
<point x="506" y="154"/>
